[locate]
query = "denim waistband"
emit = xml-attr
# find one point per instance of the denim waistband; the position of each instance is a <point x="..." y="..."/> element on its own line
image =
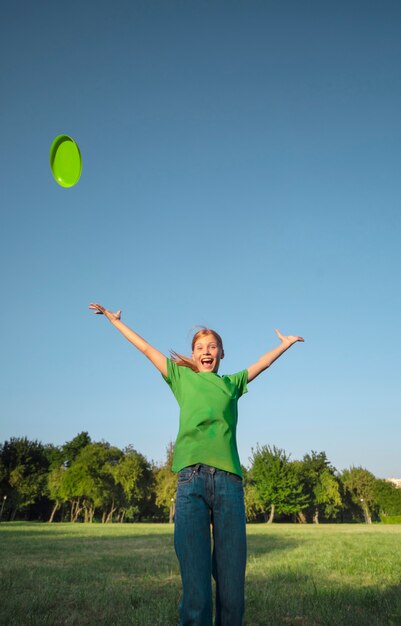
<point x="208" y="468"/>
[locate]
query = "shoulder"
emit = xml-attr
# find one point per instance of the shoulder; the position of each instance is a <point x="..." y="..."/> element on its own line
<point x="235" y="377"/>
<point x="238" y="380"/>
<point x="176" y="372"/>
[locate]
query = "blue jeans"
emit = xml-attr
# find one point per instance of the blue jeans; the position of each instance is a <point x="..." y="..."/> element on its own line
<point x="208" y="496"/>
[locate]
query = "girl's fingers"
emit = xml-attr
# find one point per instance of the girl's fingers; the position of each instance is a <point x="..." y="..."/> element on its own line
<point x="290" y="337"/>
<point x="99" y="310"/>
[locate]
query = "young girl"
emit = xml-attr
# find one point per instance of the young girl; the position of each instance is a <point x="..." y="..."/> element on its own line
<point x="210" y="490"/>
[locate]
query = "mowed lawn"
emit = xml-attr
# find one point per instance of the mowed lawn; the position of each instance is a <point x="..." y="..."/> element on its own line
<point x="76" y="574"/>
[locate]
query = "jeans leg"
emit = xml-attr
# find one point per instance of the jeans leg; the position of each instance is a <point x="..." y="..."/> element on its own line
<point x="193" y="548"/>
<point x="229" y="549"/>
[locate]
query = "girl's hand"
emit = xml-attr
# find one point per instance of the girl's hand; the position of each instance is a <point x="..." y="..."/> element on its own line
<point x="100" y="310"/>
<point x="289" y="340"/>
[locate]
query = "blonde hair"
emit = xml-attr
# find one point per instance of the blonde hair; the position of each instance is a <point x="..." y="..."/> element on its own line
<point x="186" y="361"/>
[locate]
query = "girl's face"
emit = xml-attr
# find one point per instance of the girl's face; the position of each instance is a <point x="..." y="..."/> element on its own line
<point x="207" y="353"/>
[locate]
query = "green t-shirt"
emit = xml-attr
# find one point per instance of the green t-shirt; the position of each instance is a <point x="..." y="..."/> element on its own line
<point x="208" y="417"/>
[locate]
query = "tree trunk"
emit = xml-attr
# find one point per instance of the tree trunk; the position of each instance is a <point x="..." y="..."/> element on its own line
<point x="366" y="513"/>
<point x="55" y="508"/>
<point x="271" y="517"/>
<point x="74" y="505"/>
<point x="302" y="517"/>
<point x="172" y="512"/>
<point x="109" y="518"/>
<point x="75" y="510"/>
<point x="89" y="514"/>
<point x="316" y="517"/>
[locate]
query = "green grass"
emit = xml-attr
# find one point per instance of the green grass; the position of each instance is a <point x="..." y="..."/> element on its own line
<point x="118" y="575"/>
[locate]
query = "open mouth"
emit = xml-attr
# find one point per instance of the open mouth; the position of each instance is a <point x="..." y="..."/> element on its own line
<point x="207" y="362"/>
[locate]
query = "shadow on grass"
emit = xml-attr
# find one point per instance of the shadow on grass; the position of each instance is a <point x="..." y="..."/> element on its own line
<point x="66" y="530"/>
<point x="263" y="543"/>
<point x="141" y="601"/>
<point x="118" y="538"/>
<point x="302" y="600"/>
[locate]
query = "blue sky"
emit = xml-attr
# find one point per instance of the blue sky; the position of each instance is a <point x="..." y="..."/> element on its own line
<point x="241" y="170"/>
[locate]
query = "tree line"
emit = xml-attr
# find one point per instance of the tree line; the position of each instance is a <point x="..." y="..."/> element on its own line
<point x="87" y="481"/>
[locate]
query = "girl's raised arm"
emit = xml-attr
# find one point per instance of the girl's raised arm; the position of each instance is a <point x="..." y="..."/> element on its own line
<point x="267" y="359"/>
<point x="158" y="359"/>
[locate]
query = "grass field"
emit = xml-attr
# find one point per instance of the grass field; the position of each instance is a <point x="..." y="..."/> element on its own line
<point x="117" y="575"/>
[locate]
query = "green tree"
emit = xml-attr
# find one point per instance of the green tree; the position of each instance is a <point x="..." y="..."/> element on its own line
<point x="55" y="488"/>
<point x="54" y="455"/>
<point x="166" y="484"/>
<point x="253" y="506"/>
<point x="59" y="485"/>
<point x="388" y="498"/>
<point x="278" y="489"/>
<point x="89" y="482"/>
<point x="327" y="496"/>
<point x="360" y="484"/>
<point x="24" y="467"/>
<point x="134" y="475"/>
<point x="71" y="449"/>
<point x="319" y="485"/>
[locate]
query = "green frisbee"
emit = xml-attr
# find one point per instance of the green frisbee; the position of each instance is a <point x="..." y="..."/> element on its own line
<point x="65" y="161"/>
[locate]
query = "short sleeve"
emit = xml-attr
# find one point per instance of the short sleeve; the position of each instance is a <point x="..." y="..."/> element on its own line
<point x="240" y="381"/>
<point x="173" y="377"/>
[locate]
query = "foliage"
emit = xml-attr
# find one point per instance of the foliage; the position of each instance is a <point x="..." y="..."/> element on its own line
<point x="320" y="485"/>
<point x="133" y="474"/>
<point x="84" y="480"/>
<point x="89" y="482"/>
<point x="166" y="484"/>
<point x="23" y="472"/>
<point x="276" y="482"/>
<point x="388" y="498"/>
<point x="327" y="495"/>
<point x="71" y="449"/>
<point x="360" y="484"/>
<point x="253" y="505"/>
<point x="55" y="488"/>
<point x="391" y="519"/>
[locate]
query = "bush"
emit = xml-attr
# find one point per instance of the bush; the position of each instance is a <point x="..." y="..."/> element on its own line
<point x="391" y="519"/>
